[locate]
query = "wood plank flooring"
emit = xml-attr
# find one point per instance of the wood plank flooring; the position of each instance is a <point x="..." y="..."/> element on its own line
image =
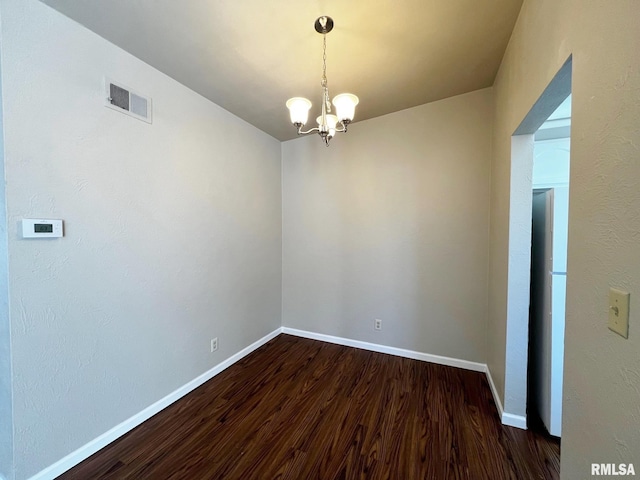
<point x="301" y="409"/>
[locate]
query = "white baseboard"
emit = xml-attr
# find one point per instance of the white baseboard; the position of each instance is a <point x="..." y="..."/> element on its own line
<point x="508" y="419"/>
<point x="494" y="392"/>
<point x="518" y="421"/>
<point x="106" y="438"/>
<point x="400" y="352"/>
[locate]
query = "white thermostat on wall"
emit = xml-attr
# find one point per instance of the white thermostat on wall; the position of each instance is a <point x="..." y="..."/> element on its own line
<point x="41" y="228"/>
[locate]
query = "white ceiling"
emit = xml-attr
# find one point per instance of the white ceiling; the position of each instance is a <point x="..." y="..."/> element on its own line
<point x="250" y="56"/>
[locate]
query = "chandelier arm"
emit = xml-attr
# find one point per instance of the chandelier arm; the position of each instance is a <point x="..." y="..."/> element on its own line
<point x="312" y="130"/>
<point x="343" y="126"/>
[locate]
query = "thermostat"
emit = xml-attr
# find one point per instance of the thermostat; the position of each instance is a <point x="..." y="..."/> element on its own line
<point x="41" y="228"/>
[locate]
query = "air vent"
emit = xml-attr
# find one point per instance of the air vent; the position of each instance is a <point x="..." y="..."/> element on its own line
<point x="123" y="99"/>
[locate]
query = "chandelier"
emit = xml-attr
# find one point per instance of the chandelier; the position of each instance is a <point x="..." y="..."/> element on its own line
<point x="345" y="103"/>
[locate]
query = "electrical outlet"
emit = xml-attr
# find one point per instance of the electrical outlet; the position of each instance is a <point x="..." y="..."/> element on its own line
<point x="377" y="324"/>
<point x="214" y="344"/>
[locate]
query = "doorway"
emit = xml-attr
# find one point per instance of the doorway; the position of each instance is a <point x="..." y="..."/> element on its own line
<point x="519" y="248"/>
<point x="549" y="231"/>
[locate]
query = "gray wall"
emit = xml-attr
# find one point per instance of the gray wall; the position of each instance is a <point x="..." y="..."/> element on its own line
<point x="173" y="235"/>
<point x="6" y="413"/>
<point x="601" y="383"/>
<point x="392" y="222"/>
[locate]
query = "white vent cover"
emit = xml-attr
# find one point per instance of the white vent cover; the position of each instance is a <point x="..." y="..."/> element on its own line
<point x="121" y="98"/>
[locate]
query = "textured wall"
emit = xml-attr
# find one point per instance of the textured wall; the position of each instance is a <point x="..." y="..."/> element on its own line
<point x="602" y="381"/>
<point x="391" y="222"/>
<point x="173" y="234"/>
<point x="6" y="413"/>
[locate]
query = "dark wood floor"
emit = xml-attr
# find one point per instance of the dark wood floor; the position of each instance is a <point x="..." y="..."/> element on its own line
<point x="302" y="409"/>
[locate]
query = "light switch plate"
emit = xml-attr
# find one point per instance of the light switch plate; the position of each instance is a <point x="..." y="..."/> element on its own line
<point x="619" y="312"/>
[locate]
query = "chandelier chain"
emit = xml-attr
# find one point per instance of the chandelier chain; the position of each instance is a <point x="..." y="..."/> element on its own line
<point x="325" y="95"/>
<point x="324" y="61"/>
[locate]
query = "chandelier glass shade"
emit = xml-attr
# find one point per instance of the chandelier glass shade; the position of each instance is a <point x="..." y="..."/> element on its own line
<point x="344" y="103"/>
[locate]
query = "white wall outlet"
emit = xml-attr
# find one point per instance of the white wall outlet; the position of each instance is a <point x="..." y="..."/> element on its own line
<point x="619" y="312"/>
<point x="214" y="344"/>
<point x="377" y="324"/>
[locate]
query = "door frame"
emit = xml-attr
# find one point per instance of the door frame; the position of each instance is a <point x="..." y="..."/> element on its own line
<point x="519" y="255"/>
